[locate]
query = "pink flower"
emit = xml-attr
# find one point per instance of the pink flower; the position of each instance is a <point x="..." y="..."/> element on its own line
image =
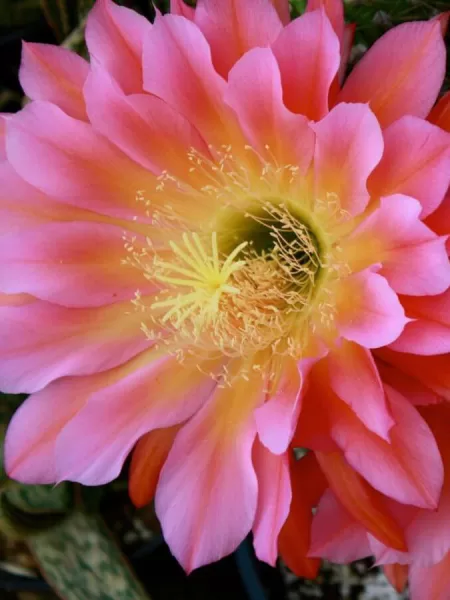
<point x="213" y="252"/>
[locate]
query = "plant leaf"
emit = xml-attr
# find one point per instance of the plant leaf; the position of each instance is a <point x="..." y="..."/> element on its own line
<point x="79" y="560"/>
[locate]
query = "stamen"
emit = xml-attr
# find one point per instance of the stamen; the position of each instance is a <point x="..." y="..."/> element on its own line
<point x="251" y="297"/>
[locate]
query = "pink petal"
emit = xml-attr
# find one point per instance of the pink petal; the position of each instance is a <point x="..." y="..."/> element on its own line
<point x="370" y="508"/>
<point x="114" y="37"/>
<point x="66" y="158"/>
<point x="140" y="396"/>
<point x="414" y="260"/>
<point x="401" y="74"/>
<point x="368" y="310"/>
<point x="349" y="145"/>
<point x="432" y="583"/>
<point x="254" y="92"/>
<point x="416" y="162"/>
<point x="184" y="76"/>
<point x="439" y="220"/>
<point x="429" y="331"/>
<point x="179" y="7"/>
<point x="23" y="206"/>
<point x="334" y="10"/>
<point x="335" y="535"/>
<point x="428" y="536"/>
<point x="277" y="418"/>
<point x="307" y="51"/>
<point x="283" y="9"/>
<point x="416" y="393"/>
<point x="42" y="342"/>
<point x="232" y="29"/>
<point x="3" y="119"/>
<point x="433" y="268"/>
<point x="55" y="74"/>
<point x="408" y="469"/>
<point x="209" y="461"/>
<point x="30" y="438"/>
<point x="274" y="500"/>
<point x="73" y="264"/>
<point x="146" y="128"/>
<point x="431" y="371"/>
<point x="354" y="378"/>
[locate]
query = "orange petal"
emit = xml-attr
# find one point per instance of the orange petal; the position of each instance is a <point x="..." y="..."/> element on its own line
<point x="148" y="458"/>
<point x="362" y="501"/>
<point x="308" y="484"/>
<point x="397" y="575"/>
<point x="440" y="115"/>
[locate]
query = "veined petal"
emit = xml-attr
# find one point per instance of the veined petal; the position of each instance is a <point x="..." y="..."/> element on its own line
<point x="254" y="92"/>
<point x="414" y="259"/>
<point x="408" y="469"/>
<point x="362" y="501"/>
<point x="431" y="371"/>
<point x="349" y="145"/>
<point x="432" y="583"/>
<point x="184" y="75"/>
<point x="232" y="28"/>
<point x="429" y="331"/>
<point x="307" y="51"/>
<point x="114" y="37"/>
<point x="209" y="461"/>
<point x="144" y="127"/>
<point x="416" y="162"/>
<point x="75" y="264"/>
<point x="274" y="500"/>
<point x="335" y="535"/>
<point x="276" y="419"/>
<point x="155" y="399"/>
<point x="368" y="310"/>
<point x="22" y="206"/>
<point x="55" y="74"/>
<point x="66" y="158"/>
<point x="42" y="342"/>
<point x="417" y="393"/>
<point x="30" y="439"/>
<point x="407" y="84"/>
<point x="354" y="378"/>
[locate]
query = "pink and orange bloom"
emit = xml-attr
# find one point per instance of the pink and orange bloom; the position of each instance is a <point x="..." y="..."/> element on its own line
<point x="215" y="249"/>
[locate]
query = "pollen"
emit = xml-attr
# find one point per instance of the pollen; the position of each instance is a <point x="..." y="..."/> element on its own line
<point x="241" y="261"/>
<point x="202" y="279"/>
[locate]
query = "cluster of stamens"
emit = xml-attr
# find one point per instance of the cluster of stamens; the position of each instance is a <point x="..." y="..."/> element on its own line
<point x="224" y="292"/>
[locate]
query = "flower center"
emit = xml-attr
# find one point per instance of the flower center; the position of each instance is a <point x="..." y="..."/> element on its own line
<point x="240" y="292"/>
